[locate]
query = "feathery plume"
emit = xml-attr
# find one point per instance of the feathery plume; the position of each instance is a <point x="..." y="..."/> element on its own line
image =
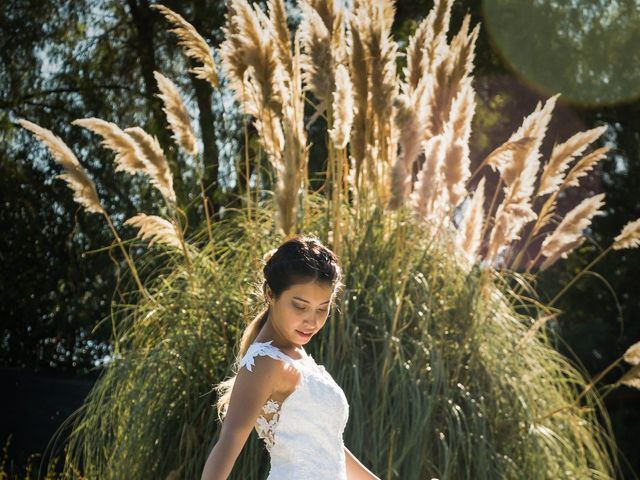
<point x="316" y="60"/>
<point x="295" y="150"/>
<point x="535" y="126"/>
<point x="456" y="167"/>
<point x="382" y="52"/>
<point x="176" y="112"/>
<point x="359" y="66"/>
<point x="452" y="74"/>
<point x="456" y="171"/>
<point x="462" y="111"/>
<point x="413" y="72"/>
<point x="632" y="355"/>
<point x="436" y="48"/>
<point x="410" y="119"/>
<point x="632" y="377"/>
<point x="568" y="234"/>
<point x="553" y="172"/>
<point x="518" y="168"/>
<point x="157" y="167"/>
<point x="155" y="229"/>
<point x="428" y="185"/>
<point x="470" y="230"/>
<point x="583" y="166"/>
<point x="128" y="158"/>
<point x="250" y="59"/>
<point x="501" y="155"/>
<point x="342" y="108"/>
<point x="84" y="190"/>
<point x="282" y="36"/>
<point x="194" y="45"/>
<point x="510" y="217"/>
<point x="629" y="237"/>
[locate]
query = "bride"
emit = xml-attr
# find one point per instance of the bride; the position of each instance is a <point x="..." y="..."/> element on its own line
<point x="295" y="405"/>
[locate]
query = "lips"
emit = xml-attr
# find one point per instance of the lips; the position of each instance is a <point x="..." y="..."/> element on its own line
<point x="304" y="334"/>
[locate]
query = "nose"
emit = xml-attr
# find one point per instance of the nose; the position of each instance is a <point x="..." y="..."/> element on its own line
<point x="311" y="323"/>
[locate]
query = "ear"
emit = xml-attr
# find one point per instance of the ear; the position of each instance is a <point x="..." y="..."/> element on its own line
<point x="268" y="293"/>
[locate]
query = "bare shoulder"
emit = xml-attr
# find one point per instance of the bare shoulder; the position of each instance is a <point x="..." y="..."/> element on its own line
<point x="267" y="373"/>
<point x="251" y="389"/>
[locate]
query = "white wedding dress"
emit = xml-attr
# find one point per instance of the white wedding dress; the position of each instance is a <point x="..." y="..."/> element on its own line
<point x="303" y="434"/>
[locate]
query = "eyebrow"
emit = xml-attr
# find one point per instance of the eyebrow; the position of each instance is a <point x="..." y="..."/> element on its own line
<point x="305" y="301"/>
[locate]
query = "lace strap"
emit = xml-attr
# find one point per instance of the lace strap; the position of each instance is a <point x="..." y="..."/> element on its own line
<point x="263" y="348"/>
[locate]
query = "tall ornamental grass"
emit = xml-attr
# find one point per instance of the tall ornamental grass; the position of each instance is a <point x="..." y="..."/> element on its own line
<point x="439" y="339"/>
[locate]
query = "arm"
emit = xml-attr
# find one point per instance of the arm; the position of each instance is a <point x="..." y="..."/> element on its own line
<point x="355" y="469"/>
<point x="250" y="391"/>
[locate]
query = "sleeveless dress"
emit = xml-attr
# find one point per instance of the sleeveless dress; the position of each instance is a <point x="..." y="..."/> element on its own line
<point x="304" y="432"/>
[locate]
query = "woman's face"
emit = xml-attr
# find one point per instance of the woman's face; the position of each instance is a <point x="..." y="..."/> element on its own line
<point x="301" y="309"/>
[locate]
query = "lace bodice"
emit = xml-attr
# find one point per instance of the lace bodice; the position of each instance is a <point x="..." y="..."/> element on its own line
<point x="303" y="433"/>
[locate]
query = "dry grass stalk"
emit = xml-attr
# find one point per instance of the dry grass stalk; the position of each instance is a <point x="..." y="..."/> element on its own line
<point x="632" y="354"/>
<point x="128" y="158"/>
<point x="156" y="230"/>
<point x="194" y="45"/>
<point x="84" y="190"/>
<point x="342" y="108"/>
<point x="629" y="237"/>
<point x="470" y="231"/>
<point x="568" y="235"/>
<point x="553" y="172"/>
<point x="177" y="115"/>
<point x="157" y="166"/>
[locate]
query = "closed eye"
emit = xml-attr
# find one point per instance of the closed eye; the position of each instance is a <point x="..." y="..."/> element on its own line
<point x="303" y="308"/>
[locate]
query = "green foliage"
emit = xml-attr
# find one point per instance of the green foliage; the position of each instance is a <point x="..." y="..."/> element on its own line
<point x="429" y="356"/>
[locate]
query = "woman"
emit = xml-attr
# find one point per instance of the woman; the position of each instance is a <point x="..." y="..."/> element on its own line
<point x="294" y="404"/>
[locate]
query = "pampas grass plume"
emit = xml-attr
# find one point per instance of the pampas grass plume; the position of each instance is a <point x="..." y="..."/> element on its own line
<point x="629" y="237"/>
<point x="194" y="45"/>
<point x="156" y="229"/>
<point x="129" y="158"/>
<point x="568" y="235"/>
<point x="632" y="355"/>
<point x="84" y="190"/>
<point x="470" y="231"/>
<point x="177" y="116"/>
<point x="342" y="108"/>
<point x="156" y="166"/>
<point x="562" y="154"/>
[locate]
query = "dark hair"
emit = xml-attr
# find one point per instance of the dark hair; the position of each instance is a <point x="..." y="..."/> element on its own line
<point x="299" y="259"/>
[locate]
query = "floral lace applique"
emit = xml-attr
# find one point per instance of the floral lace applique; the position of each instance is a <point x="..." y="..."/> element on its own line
<point x="265" y="427"/>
